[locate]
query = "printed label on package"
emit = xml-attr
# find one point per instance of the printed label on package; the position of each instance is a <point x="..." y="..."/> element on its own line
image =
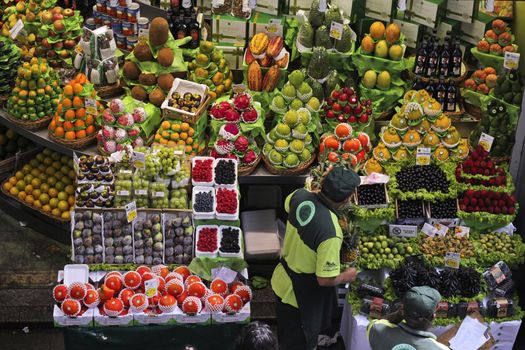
<point x="423" y="156"/>
<point x="336" y="30"/>
<point x="151" y="286"/>
<point x="485" y="141"/>
<point x="511" y="60"/>
<point x="91" y="106"/>
<point x="131" y="211"/>
<point x="452" y="260"/>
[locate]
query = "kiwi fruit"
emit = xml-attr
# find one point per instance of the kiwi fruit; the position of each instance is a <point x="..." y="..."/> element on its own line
<point x="142" y="52"/>
<point x="156" y="97"/>
<point x="165" y="81"/>
<point x="131" y="70"/>
<point x="158" y="31"/>
<point x="147" y="79"/>
<point x="165" y="57"/>
<point x="138" y="93"/>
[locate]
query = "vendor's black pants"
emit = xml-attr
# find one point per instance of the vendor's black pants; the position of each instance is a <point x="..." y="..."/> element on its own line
<point x="289" y="329"/>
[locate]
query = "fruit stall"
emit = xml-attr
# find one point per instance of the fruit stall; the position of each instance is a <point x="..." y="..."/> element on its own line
<point x="160" y="141"/>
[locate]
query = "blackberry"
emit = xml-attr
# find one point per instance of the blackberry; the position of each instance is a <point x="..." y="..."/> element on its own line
<point x="422" y="177"/>
<point x="445" y="209"/>
<point x="230" y="240"/>
<point x="371" y="194"/>
<point x="203" y="202"/>
<point x="225" y="172"/>
<point x="410" y="209"/>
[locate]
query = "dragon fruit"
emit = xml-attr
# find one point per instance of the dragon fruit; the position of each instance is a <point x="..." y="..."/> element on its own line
<point x="139" y="115"/>
<point x="242" y="101"/>
<point x="126" y="120"/>
<point x="134" y="132"/>
<point x="116" y="106"/>
<point x="108" y="117"/>
<point x="223" y="146"/>
<point x="241" y="144"/>
<point x="100" y="138"/>
<point x="250" y="115"/>
<point x="229" y="131"/>
<point x="249" y="157"/>
<point x="139" y="142"/>
<point x="108" y="132"/>
<point x="110" y="146"/>
<point x="120" y="147"/>
<point x="232" y="115"/>
<point x="120" y="135"/>
<point x="215" y="154"/>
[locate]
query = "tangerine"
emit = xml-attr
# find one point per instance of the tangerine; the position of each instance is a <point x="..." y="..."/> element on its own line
<point x="185" y="126"/>
<point x="81" y="134"/>
<point x="78" y="102"/>
<point x="175" y="127"/>
<point x="68" y="90"/>
<point x="70" y="115"/>
<point x="70" y="135"/>
<point x="165" y="125"/>
<point x="79" y="124"/>
<point x="77" y="88"/>
<point x="80" y="113"/>
<point x="90" y="130"/>
<point x="59" y="132"/>
<point x="66" y="103"/>
<point x="90" y="120"/>
<point x="68" y="126"/>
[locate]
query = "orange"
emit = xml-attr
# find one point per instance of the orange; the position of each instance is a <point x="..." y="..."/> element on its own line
<point x="78" y="102"/>
<point x="81" y="134"/>
<point x="70" y="135"/>
<point x="80" y="113"/>
<point x="68" y="126"/>
<point x="90" y="130"/>
<point x="68" y="90"/>
<point x="189" y="140"/>
<point x="52" y="192"/>
<point x="56" y="212"/>
<point x="90" y="120"/>
<point x="7" y="186"/>
<point x="175" y="127"/>
<point x="52" y="125"/>
<point x="181" y="143"/>
<point x="14" y="191"/>
<point x="163" y="141"/>
<point x="66" y="103"/>
<point x="59" y="109"/>
<point x="46" y="208"/>
<point x="37" y="204"/>
<point x="59" y="132"/>
<point x="157" y="138"/>
<point x="22" y="195"/>
<point x="13" y="180"/>
<point x="30" y="199"/>
<point x="77" y="88"/>
<point x="191" y="132"/>
<point x="165" y="125"/>
<point x="185" y="126"/>
<point x="81" y="78"/>
<point x="71" y="201"/>
<point x="331" y="142"/>
<point x="175" y="136"/>
<point x="79" y="124"/>
<point x="172" y="143"/>
<point x="196" y="146"/>
<point x="28" y="189"/>
<point x="70" y="114"/>
<point x="183" y="135"/>
<point x="188" y="149"/>
<point x="165" y="135"/>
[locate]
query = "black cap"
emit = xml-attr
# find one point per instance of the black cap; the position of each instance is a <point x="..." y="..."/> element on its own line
<point x="339" y="184"/>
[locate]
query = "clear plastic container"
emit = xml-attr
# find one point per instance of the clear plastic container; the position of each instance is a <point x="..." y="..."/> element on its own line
<point x="212" y="254"/>
<point x="226" y="216"/>
<point x="197" y="182"/>
<point x="201" y="215"/>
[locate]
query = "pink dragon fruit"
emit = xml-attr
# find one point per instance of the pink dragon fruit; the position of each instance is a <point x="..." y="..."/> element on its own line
<point x="216" y="112"/>
<point x="242" y="101"/>
<point x="215" y="154"/>
<point x="108" y="117"/>
<point x="139" y="115"/>
<point x="241" y="144"/>
<point x="250" y="115"/>
<point x="100" y="138"/>
<point x="126" y="120"/>
<point x="120" y="135"/>
<point x="223" y="146"/>
<point x="249" y="157"/>
<point x="134" y="132"/>
<point x="231" y="156"/>
<point x="229" y="131"/>
<point x="139" y="142"/>
<point x="110" y="146"/>
<point x="232" y="115"/>
<point x="116" y="106"/>
<point x="108" y="132"/>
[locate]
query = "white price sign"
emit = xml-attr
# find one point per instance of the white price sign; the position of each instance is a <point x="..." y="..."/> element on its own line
<point x="452" y="260"/>
<point x="131" y="211"/>
<point x="511" y="60"/>
<point x="485" y="141"/>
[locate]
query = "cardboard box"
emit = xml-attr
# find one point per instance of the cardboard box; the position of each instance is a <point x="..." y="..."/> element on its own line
<point x="141" y="318"/>
<point x="232" y="54"/>
<point x="264" y="23"/>
<point x="475" y="31"/>
<point x="410" y="30"/>
<point x="204" y="7"/>
<point x="243" y="316"/>
<point x="229" y="29"/>
<point x="291" y="7"/>
<point x="83" y="320"/>
<point x="271" y="7"/>
<point x="121" y="321"/>
<point x="461" y="10"/>
<point x="204" y="318"/>
<point x="380" y="9"/>
<point x="425" y="12"/>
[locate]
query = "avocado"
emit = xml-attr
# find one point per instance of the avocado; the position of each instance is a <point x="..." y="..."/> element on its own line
<point x="322" y="37"/>
<point x="508" y="97"/>
<point x="517" y="99"/>
<point x="506" y="87"/>
<point x="315" y="17"/>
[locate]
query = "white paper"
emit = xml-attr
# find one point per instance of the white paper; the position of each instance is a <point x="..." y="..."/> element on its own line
<point x="224" y="274"/>
<point x="429" y="230"/>
<point x="374" y="178"/>
<point x="470" y="335"/>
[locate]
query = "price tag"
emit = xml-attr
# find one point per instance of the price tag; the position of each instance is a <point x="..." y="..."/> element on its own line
<point x="158" y="194"/>
<point x="123" y="193"/>
<point x="511" y="60"/>
<point x="429" y="230"/>
<point x="17" y="28"/>
<point x="423" y="156"/>
<point x="441" y="229"/>
<point x="461" y="231"/>
<point x="151" y="286"/>
<point x="139" y="160"/>
<point x="131" y="211"/>
<point x="274" y="26"/>
<point x="141" y="192"/>
<point x="452" y="260"/>
<point x="485" y="141"/>
<point x="91" y="106"/>
<point x="336" y="30"/>
<point x="402" y="230"/>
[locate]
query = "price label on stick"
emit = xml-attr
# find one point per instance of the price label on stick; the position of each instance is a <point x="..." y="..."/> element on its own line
<point x="91" y="106"/>
<point x="17" y="28"/>
<point x="452" y="260"/>
<point x="139" y="160"/>
<point x="336" y="30"/>
<point x="131" y="211"/>
<point x="485" y="141"/>
<point x="461" y="231"/>
<point x="423" y="156"/>
<point x="511" y="60"/>
<point x="151" y="286"/>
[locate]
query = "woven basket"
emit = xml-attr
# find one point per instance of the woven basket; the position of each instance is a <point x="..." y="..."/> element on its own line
<point x="31" y="125"/>
<point x="301" y="169"/>
<point x="75" y="144"/>
<point x="247" y="170"/>
<point x="9" y="164"/>
<point x="108" y="91"/>
<point x="32" y="207"/>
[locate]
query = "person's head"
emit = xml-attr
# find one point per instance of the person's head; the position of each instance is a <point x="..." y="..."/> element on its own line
<point x="256" y="336"/>
<point x="339" y="184"/>
<point x="419" y="307"/>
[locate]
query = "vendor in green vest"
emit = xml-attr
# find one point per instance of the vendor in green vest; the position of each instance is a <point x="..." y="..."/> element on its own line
<point x="304" y="281"/>
<point x="407" y="328"/>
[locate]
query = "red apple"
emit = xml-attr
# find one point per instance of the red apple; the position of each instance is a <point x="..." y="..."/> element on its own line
<point x="352" y="119"/>
<point x="337" y="107"/>
<point x="57" y="16"/>
<point x="358" y="110"/>
<point x="330" y="114"/>
<point x="68" y="12"/>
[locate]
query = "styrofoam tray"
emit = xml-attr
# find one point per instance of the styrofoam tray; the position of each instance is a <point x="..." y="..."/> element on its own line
<point x="200" y="183"/>
<point x="197" y="237"/>
<point x="223" y="216"/>
<point x="203" y="215"/>
<point x="76" y="273"/>
<point x="183" y="86"/>
<point x="240" y="254"/>
<point x="235" y="162"/>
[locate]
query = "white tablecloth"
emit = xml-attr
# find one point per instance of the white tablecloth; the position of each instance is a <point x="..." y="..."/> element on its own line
<point x="353" y="331"/>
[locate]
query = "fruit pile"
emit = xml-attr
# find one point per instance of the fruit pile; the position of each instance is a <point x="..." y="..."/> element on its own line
<point x="371" y="195"/>
<point x="487" y="201"/>
<point x="227" y="201"/>
<point x="238" y="110"/>
<point x="480" y="169"/>
<point x="94" y="169"/>
<point x="297" y="93"/>
<point x="225" y="172"/>
<point x="178" y="240"/>
<point x="347" y="144"/>
<point x="207" y="239"/>
<point x="139" y="65"/>
<point x="482" y="80"/>
<point x="87" y="237"/>
<point x="509" y="88"/>
<point x="439" y="246"/>
<point x="289" y="144"/>
<point x="12" y="143"/>
<point x="415" y="178"/>
<point x="383" y="42"/>
<point x="211" y="69"/>
<point x="232" y="144"/>
<point x="10" y="58"/>
<point x="410" y="209"/>
<point x="202" y="171"/>
<point x="444" y="209"/>
<point x="45" y="183"/>
<point x="188" y="102"/>
<point x="123" y="188"/>
<point x="267" y="51"/>
<point x="178" y="198"/>
<point x="175" y="132"/>
<point x="140" y="190"/>
<point x="495" y="246"/>
<point x="159" y="195"/>
<point x="120" y="127"/>
<point x="36" y="91"/>
<point x="204" y="202"/>
<point x="77" y="111"/>
<point x="344" y="105"/>
<point x="76" y="298"/>
<point x="381" y="250"/>
<point x="230" y="240"/>
<point x="94" y="195"/>
<point x="148" y="239"/>
<point x="372" y="80"/>
<point x="497" y="40"/>
<point x="118" y="238"/>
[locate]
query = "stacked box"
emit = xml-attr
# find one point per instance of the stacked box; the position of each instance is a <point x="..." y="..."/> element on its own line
<point x="380" y="9"/>
<point x="229" y="29"/>
<point x="265" y="23"/>
<point x="425" y="12"/>
<point x="271" y="7"/>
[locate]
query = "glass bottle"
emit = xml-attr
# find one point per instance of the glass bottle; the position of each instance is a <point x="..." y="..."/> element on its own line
<point x="430" y="87"/>
<point x="452" y="97"/>
<point x="421" y="59"/>
<point x="441" y="91"/>
<point x="456" y="60"/>
<point x="444" y="61"/>
<point x="432" y="65"/>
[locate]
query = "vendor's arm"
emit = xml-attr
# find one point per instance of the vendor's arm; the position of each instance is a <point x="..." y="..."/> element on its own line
<point x="328" y="266"/>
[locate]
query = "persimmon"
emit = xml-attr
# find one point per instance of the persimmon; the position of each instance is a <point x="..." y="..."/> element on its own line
<point x="90" y="120"/>
<point x="79" y="124"/>
<point x="77" y="88"/>
<point x="69" y="115"/>
<point x="68" y="90"/>
<point x="172" y="143"/>
<point x="81" y="78"/>
<point x="59" y="132"/>
<point x="80" y="113"/>
<point x="80" y="134"/>
<point x="70" y="135"/>
<point x="66" y="103"/>
<point x="68" y="126"/>
<point x="90" y="130"/>
<point x="78" y="102"/>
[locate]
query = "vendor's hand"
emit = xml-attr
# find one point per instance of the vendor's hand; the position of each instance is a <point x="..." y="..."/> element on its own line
<point x="349" y="275"/>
